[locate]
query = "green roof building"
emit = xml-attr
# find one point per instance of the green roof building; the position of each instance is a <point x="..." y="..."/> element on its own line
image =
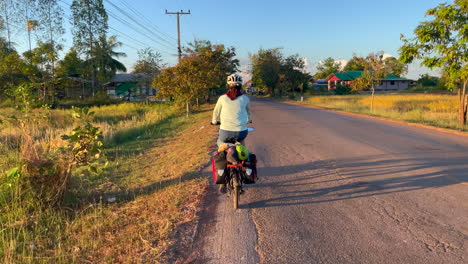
<point x="131" y="87"/>
<point x="391" y="82"/>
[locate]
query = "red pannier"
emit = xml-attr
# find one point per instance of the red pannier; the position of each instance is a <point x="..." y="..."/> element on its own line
<point x="218" y="167"/>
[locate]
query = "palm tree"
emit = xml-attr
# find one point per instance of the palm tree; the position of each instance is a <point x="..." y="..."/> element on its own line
<point x="103" y="58"/>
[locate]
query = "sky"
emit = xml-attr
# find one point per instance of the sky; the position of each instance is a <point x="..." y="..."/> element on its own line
<point x="314" y="29"/>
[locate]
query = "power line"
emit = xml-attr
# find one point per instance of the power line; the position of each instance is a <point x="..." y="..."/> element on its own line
<point x="124" y="22"/>
<point x="118" y="32"/>
<point x="137" y="22"/>
<point x="139" y="14"/>
<point x="135" y="40"/>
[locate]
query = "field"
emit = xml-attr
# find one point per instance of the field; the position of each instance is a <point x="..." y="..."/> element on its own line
<point x="429" y="109"/>
<point x="124" y="213"/>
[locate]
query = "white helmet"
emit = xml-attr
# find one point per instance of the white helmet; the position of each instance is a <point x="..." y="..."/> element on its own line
<point x="234" y="79"/>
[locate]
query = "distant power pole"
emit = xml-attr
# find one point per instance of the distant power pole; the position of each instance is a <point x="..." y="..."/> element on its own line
<point x="179" y="49"/>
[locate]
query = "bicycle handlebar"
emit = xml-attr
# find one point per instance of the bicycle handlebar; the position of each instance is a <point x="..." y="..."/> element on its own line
<point x="219" y="123"/>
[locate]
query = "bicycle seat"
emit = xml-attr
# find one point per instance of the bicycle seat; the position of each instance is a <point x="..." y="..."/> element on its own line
<point x="231" y="140"/>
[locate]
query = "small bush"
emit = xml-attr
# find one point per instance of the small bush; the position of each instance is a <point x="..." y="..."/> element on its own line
<point x="342" y="90"/>
<point x="43" y="171"/>
<point x="24" y="97"/>
<point x="101" y="98"/>
<point x="7" y="102"/>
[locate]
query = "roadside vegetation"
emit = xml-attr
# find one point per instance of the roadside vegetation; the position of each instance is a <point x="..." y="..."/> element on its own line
<point x="438" y="110"/>
<point x="438" y="43"/>
<point x="122" y="208"/>
<point x="86" y="177"/>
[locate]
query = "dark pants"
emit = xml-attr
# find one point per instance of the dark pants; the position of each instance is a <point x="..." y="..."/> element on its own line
<point x="231" y="136"/>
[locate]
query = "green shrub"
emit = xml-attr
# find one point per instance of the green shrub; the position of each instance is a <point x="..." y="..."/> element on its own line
<point x="101" y="98"/>
<point x="342" y="90"/>
<point x="6" y="102"/>
<point x="24" y="97"/>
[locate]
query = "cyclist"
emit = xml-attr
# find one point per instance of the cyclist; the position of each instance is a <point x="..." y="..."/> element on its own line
<point x="233" y="111"/>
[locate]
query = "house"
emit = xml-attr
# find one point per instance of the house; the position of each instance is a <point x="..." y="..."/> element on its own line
<point x="342" y="78"/>
<point x="131" y="86"/>
<point x="391" y="82"/>
<point x="319" y="85"/>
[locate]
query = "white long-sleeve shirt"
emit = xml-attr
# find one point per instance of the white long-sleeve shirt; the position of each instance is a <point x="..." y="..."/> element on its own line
<point x="233" y="114"/>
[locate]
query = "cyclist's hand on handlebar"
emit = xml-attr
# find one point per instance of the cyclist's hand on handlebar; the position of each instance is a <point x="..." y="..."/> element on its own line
<point x="217" y="123"/>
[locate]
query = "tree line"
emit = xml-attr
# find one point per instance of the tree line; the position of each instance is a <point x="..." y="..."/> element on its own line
<point x="278" y="74"/>
<point x="200" y="73"/>
<point x="91" y="62"/>
<point x="441" y="43"/>
<point x="328" y="66"/>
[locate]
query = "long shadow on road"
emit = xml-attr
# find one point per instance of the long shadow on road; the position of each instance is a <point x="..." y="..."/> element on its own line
<point x="362" y="177"/>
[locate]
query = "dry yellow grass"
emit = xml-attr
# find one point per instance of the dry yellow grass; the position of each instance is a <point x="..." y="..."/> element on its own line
<point x="430" y="109"/>
<point x="167" y="176"/>
<point x="126" y="213"/>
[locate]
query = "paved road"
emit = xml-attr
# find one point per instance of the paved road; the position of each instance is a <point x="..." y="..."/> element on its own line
<point x="336" y="188"/>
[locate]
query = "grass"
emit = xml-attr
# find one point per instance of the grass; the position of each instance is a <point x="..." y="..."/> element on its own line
<point x="439" y="110"/>
<point x="126" y="213"/>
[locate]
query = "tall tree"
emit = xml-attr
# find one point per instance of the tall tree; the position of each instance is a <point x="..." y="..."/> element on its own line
<point x="71" y="65"/>
<point x="89" y="25"/>
<point x="215" y="63"/>
<point x="104" y="58"/>
<point x="428" y="80"/>
<point x="395" y="67"/>
<point x="13" y="71"/>
<point x="327" y="67"/>
<point x="176" y="82"/>
<point x="266" y="67"/>
<point x="40" y="64"/>
<point x="205" y="67"/>
<point x="6" y="9"/>
<point x="441" y="42"/>
<point x="293" y="72"/>
<point x="50" y="19"/>
<point x="353" y="65"/>
<point x="68" y="69"/>
<point x="149" y="64"/>
<point x="25" y="17"/>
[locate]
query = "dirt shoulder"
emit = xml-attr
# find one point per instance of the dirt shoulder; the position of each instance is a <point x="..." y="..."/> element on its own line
<point x="165" y="189"/>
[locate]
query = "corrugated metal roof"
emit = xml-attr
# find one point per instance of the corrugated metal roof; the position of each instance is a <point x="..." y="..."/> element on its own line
<point x="128" y="77"/>
<point x="354" y="74"/>
<point x="392" y="77"/>
<point x="344" y="76"/>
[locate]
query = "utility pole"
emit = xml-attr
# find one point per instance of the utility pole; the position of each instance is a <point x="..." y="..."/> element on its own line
<point x="179" y="49"/>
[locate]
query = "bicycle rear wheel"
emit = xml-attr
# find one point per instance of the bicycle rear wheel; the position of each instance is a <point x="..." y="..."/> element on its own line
<point x="236" y="190"/>
<point x="236" y="196"/>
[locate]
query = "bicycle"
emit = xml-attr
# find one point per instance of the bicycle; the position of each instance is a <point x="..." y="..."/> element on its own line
<point x="235" y="174"/>
<point x="235" y="180"/>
